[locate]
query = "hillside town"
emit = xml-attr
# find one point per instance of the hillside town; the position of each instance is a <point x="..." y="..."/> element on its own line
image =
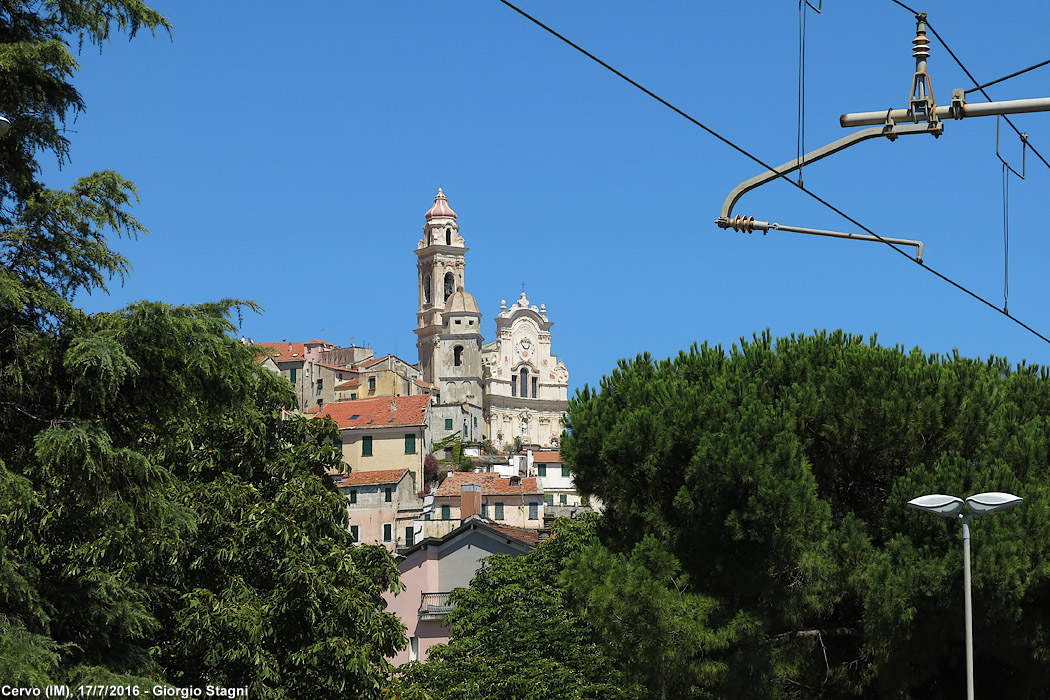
<point x="455" y="453"/>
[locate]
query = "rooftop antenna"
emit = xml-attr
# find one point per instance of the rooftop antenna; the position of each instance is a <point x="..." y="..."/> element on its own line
<point x="925" y="116"/>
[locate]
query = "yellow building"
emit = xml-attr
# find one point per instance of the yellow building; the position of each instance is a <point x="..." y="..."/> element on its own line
<point x="388" y="432"/>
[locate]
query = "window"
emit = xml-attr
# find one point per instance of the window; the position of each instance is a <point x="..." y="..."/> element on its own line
<point x="524" y="382"/>
<point x="541" y="470"/>
<point x="353" y="396"/>
<point x="291" y="374"/>
<point x="534" y="392"/>
<point x="410" y="444"/>
<point x="388" y="532"/>
<point x="548" y="498"/>
<point x="371" y="383"/>
<point x="426" y="516"/>
<point x="457" y="354"/>
<point x="475" y="421"/>
<point x="514" y="385"/>
<point x="448" y="236"/>
<point x="426" y="289"/>
<point x="320" y="402"/>
<point x="353" y="495"/>
<point x="366" y="446"/>
<point x="565" y="471"/>
<point x="320" y="385"/>
<point x="445" y="513"/>
<point x="499" y="511"/>
<point x="450" y="284"/>
<point x="534" y="511"/>
<point x="413" y="648"/>
<point x="388" y="494"/>
<point x="448" y="424"/>
<point x="410" y="536"/>
<point x="563" y="499"/>
<point x="338" y="444"/>
<point x="484" y="510"/>
<point x="354" y="533"/>
<point x="464" y="429"/>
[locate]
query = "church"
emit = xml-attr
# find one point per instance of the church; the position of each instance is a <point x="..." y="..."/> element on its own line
<point x="510" y="387"/>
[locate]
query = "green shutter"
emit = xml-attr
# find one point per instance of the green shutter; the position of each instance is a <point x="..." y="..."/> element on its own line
<point x="366" y="446"/>
<point x="541" y="470"/>
<point x="410" y="536"/>
<point x="448" y="424"/>
<point x="410" y="444"/>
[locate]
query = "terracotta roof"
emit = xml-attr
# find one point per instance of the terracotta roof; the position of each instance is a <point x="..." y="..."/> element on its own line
<point x="380" y="476"/>
<point x="546" y="456"/>
<point x="372" y="361"/>
<point x="283" y="352"/>
<point x="492" y="484"/>
<point x="381" y="412"/>
<point x="526" y="538"/>
<point x="320" y="342"/>
<point x="351" y="384"/>
<point x="441" y="207"/>
<point x="530" y="536"/>
<point x="424" y="385"/>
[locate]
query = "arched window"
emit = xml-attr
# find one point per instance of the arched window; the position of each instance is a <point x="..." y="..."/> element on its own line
<point x="457" y="355"/>
<point x="450" y="284"/>
<point x="448" y="236"/>
<point x="524" y="384"/>
<point x="426" y="289"/>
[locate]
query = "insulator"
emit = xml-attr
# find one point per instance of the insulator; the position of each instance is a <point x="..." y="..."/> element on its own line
<point x="743" y="223"/>
<point x="920" y="47"/>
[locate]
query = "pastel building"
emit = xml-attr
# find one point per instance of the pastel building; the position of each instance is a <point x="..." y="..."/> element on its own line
<point x="433" y="568"/>
<point x="375" y="503"/>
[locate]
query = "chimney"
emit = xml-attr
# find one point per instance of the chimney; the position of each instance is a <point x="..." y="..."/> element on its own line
<point x="469" y="501"/>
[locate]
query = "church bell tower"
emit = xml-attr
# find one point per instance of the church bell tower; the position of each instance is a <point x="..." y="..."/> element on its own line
<point x="441" y="262"/>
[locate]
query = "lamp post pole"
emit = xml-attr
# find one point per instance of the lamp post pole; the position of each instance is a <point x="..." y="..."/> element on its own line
<point x="951" y="507"/>
<point x="967" y="604"/>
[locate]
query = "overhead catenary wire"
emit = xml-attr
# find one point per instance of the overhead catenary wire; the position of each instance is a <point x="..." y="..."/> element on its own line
<point x="970" y="76"/>
<point x="1007" y="77"/>
<point x="768" y="167"/>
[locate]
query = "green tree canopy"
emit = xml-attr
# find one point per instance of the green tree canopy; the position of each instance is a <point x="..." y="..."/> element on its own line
<point x="162" y="515"/>
<point x="766" y="487"/>
<point x="514" y="635"/>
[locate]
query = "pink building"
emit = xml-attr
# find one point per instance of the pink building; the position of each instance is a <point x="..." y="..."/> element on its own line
<point x="434" y="567"/>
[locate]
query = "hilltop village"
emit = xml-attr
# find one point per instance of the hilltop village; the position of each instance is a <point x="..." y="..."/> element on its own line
<point x="460" y="448"/>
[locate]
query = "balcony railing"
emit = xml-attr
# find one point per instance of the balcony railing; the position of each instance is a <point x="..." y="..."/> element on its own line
<point x="434" y="606"/>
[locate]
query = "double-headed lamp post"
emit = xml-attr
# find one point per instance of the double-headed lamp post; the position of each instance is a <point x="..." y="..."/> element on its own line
<point x="951" y="507"/>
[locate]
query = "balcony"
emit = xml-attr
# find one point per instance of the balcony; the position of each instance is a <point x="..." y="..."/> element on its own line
<point x="434" y="606"/>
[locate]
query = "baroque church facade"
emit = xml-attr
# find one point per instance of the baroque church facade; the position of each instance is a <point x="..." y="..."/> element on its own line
<point x="510" y="387"/>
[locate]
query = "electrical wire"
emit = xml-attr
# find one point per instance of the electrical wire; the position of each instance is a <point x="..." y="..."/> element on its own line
<point x="770" y="168"/>
<point x="1007" y="77"/>
<point x="1006" y="237"/>
<point x="800" y="140"/>
<point x="970" y="76"/>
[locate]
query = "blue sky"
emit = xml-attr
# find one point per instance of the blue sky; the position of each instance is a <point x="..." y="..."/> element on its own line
<point x="289" y="157"/>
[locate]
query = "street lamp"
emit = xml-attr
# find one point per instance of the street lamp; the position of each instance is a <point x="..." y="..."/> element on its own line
<point x="951" y="507"/>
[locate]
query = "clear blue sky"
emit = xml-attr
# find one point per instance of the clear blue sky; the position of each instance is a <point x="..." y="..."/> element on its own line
<point x="288" y="157"/>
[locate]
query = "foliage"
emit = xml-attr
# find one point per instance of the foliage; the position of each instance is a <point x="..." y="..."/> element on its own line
<point x="765" y="488"/>
<point x="162" y="516"/>
<point x="513" y="636"/>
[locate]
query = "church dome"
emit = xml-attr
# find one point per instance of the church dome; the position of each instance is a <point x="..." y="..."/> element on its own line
<point x="441" y="207"/>
<point x="461" y="302"/>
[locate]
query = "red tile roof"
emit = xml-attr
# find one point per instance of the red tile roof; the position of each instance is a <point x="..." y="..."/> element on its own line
<point x="351" y="384"/>
<point x="423" y="385"/>
<point x="283" y="352"/>
<point x="375" y="360"/>
<point x="321" y="342"/>
<point x="381" y="412"/>
<point x="546" y="456"/>
<point x="380" y="476"/>
<point x="492" y="484"/>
